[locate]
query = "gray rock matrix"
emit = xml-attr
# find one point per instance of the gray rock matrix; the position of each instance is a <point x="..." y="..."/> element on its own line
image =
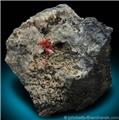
<point x="62" y="60"/>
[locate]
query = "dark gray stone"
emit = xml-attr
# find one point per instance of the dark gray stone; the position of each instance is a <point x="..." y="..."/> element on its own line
<point x="73" y="71"/>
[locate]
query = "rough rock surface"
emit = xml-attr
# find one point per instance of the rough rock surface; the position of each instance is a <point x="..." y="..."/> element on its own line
<point x="62" y="60"/>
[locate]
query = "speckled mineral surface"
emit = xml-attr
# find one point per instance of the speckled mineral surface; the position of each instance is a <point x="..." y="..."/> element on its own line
<point x="62" y="60"/>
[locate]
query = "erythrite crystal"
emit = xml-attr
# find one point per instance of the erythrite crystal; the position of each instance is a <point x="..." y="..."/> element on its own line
<point x="76" y="74"/>
<point x="47" y="45"/>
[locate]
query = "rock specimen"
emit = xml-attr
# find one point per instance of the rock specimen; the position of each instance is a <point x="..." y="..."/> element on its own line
<point x="62" y="60"/>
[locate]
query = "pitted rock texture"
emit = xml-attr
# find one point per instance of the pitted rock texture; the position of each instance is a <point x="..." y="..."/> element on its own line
<point x="62" y="60"/>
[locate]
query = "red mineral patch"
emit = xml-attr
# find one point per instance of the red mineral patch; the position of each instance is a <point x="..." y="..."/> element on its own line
<point x="43" y="61"/>
<point x="47" y="45"/>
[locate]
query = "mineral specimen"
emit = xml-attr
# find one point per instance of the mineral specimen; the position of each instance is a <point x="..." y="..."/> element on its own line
<point x="62" y="60"/>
